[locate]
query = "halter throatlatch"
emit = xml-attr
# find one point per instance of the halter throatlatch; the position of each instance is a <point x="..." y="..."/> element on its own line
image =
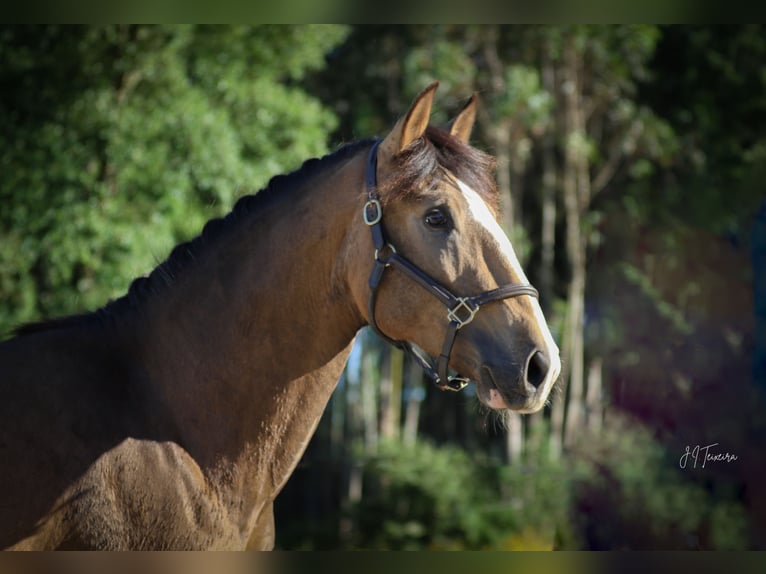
<point x="460" y="310"/>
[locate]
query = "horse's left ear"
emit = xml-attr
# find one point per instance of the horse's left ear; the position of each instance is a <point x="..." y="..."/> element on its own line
<point x="412" y="126"/>
<point x="462" y="125"/>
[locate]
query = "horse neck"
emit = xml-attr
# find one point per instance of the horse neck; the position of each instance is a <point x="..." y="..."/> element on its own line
<point x="246" y="347"/>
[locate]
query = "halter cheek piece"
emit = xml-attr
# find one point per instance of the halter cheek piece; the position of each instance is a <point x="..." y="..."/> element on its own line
<point x="460" y="310"/>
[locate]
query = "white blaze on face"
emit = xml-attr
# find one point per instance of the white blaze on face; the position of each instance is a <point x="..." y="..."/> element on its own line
<point x="480" y="212"/>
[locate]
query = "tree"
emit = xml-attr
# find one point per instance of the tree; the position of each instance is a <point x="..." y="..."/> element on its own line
<point x="602" y="131"/>
<point x="119" y="141"/>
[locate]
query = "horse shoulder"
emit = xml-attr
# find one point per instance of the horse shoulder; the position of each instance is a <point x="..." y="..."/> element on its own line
<point x="149" y="486"/>
<point x="83" y="468"/>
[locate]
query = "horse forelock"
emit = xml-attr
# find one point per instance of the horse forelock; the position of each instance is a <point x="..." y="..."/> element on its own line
<point x="420" y="165"/>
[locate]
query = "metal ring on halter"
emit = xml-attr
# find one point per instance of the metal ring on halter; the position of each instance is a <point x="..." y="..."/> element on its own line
<point x="377" y="253"/>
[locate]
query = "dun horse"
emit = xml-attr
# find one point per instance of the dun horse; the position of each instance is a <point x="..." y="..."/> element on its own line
<point x="172" y="417"/>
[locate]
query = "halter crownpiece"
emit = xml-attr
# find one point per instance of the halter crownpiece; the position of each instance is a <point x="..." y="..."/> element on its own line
<point x="460" y="310"/>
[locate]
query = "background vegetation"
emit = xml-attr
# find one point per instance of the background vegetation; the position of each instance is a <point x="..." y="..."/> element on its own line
<point x="631" y="166"/>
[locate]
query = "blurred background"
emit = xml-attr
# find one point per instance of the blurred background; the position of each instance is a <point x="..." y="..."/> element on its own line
<point x="631" y="165"/>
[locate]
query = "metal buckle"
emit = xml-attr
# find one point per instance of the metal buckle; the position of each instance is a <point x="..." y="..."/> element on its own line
<point x="462" y="303"/>
<point x="372" y="220"/>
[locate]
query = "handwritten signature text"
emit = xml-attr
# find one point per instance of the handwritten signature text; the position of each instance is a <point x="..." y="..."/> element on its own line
<point x="701" y="455"/>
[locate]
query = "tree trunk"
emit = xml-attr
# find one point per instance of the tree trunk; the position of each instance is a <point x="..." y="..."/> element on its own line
<point x="384" y="420"/>
<point x="391" y="394"/>
<point x="397" y="380"/>
<point x="574" y="327"/>
<point x="514" y="437"/>
<point x="502" y="146"/>
<point x="412" y="410"/>
<point x="367" y="385"/>
<point x="519" y="159"/>
<point x="338" y="408"/>
<point x="352" y="466"/>
<point x="576" y="193"/>
<point x="594" y="400"/>
<point x="393" y="59"/>
<point x="548" y="227"/>
<point x="499" y="130"/>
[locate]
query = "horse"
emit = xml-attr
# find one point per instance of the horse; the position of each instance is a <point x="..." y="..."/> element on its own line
<point x="172" y="417"/>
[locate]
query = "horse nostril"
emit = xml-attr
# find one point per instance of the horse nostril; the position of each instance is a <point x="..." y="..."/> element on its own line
<point x="537" y="368"/>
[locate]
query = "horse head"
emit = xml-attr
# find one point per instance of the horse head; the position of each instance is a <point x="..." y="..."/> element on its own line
<point x="444" y="276"/>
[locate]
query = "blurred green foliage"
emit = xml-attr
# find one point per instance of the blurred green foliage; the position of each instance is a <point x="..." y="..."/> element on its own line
<point x="439" y="497"/>
<point x="418" y="497"/>
<point x="117" y="142"/>
<point x="630" y="493"/>
<point x="618" y="489"/>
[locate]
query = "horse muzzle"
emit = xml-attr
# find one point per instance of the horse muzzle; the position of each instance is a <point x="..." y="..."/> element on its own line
<point x="524" y="391"/>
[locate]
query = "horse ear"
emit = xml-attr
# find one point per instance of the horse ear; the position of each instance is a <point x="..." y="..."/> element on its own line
<point x="413" y="125"/>
<point x="462" y="125"/>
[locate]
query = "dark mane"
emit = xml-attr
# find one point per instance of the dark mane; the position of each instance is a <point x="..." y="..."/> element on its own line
<point x="418" y="165"/>
<point x="184" y="253"/>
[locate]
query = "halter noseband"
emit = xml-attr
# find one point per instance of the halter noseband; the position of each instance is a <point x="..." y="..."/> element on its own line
<point x="460" y="310"/>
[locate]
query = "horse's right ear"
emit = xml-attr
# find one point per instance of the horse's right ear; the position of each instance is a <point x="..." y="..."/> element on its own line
<point x="412" y="126"/>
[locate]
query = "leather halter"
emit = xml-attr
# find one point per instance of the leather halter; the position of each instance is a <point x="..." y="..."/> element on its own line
<point x="460" y="310"/>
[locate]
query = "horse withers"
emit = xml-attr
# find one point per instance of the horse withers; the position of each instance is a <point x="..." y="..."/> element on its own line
<point x="172" y="417"/>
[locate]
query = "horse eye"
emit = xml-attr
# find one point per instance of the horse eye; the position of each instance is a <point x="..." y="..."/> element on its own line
<point x="436" y="218"/>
